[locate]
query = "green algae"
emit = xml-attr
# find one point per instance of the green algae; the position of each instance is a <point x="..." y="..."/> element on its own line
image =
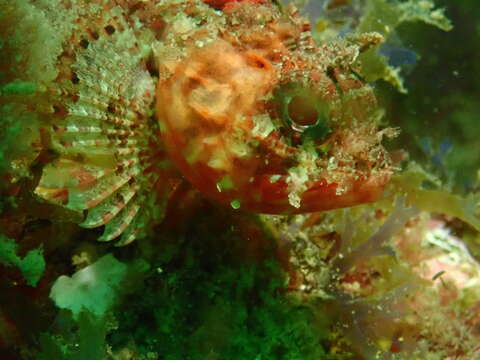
<point x="198" y="299"/>
<point x="83" y="339"/>
<point x="18" y="87"/>
<point x="32" y="265"/>
<point x="385" y="17"/>
<point x="215" y="306"/>
<point x="442" y="106"/>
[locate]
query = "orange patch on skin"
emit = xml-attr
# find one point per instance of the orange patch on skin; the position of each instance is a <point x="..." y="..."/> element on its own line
<point x="56" y="196"/>
<point x="222" y="4"/>
<point x="84" y="178"/>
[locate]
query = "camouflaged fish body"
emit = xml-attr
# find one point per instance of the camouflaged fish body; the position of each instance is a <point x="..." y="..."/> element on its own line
<point x="222" y="80"/>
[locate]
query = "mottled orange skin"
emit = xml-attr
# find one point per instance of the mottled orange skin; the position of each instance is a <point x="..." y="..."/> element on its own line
<point x="222" y="4"/>
<point x="208" y="104"/>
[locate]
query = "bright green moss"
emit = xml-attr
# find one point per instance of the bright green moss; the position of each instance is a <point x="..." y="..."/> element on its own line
<point x="9" y="130"/>
<point x="83" y="339"/>
<point x="31" y="266"/>
<point x="18" y="87"/>
<point x="207" y="303"/>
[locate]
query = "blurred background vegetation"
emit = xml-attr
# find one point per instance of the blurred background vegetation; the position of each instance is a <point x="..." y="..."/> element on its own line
<point x="439" y="116"/>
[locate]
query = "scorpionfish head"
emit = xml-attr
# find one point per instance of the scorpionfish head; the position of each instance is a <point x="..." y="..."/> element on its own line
<point x="256" y="115"/>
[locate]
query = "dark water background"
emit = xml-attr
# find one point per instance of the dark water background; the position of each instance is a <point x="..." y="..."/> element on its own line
<point x="439" y="116"/>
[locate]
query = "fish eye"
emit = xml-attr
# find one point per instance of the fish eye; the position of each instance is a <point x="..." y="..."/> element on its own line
<point x="303" y="112"/>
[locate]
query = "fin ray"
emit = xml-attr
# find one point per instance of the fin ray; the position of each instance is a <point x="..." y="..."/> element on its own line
<point x="119" y="223"/>
<point x="110" y="207"/>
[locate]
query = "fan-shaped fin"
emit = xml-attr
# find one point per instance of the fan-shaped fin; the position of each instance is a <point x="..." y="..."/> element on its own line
<point x="63" y="175"/>
<point x="110" y="207"/>
<point x="101" y="142"/>
<point x="90" y="113"/>
<point x="75" y="129"/>
<point x="100" y="110"/>
<point x="119" y="223"/>
<point x="84" y="199"/>
<point x="132" y="230"/>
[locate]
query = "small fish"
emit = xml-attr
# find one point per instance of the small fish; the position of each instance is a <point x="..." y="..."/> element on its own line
<point x="234" y="96"/>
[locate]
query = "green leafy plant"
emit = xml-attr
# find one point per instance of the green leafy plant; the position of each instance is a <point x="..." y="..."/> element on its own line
<point x="31" y="266"/>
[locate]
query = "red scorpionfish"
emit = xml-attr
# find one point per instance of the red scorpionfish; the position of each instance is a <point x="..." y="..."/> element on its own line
<point x="234" y="96"/>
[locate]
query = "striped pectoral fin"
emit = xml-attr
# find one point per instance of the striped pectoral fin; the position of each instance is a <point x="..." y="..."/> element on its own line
<point x="110" y="207"/>
<point x="87" y="198"/>
<point x="111" y="199"/>
<point x="100" y="123"/>
<point x="121" y="222"/>
<point x="63" y="177"/>
<point x="146" y="208"/>
<point x="133" y="230"/>
<point x="116" y="200"/>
